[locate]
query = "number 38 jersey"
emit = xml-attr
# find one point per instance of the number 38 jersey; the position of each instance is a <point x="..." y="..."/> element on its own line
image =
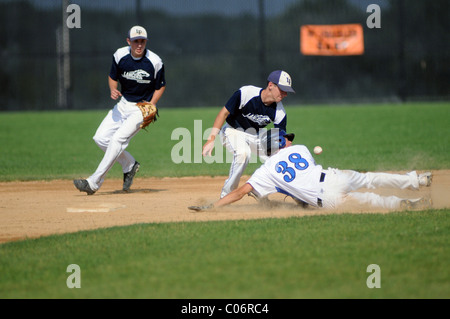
<point x="291" y="171"/>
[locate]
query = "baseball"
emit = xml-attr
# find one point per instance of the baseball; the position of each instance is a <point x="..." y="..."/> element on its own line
<point x="317" y="150"/>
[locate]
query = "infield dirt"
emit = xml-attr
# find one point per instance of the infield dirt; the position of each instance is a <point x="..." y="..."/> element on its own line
<point x="41" y="208"/>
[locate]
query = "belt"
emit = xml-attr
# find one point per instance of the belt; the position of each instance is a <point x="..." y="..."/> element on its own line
<point x="322" y="178"/>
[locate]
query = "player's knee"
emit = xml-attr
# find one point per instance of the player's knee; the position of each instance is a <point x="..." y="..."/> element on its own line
<point x="243" y="158"/>
<point x="101" y="142"/>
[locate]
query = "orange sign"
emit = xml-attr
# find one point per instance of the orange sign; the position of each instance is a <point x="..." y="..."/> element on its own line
<point x="339" y="39"/>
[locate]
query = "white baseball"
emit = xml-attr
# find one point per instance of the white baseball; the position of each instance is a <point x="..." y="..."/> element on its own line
<point x="317" y="150"/>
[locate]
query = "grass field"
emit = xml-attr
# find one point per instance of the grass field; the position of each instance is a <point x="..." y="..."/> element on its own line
<point x="293" y="258"/>
<point x="309" y="257"/>
<point x="49" y="145"/>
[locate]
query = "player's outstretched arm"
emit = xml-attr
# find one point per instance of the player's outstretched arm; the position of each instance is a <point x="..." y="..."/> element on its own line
<point x="235" y="195"/>
<point x="232" y="197"/>
<point x="218" y="122"/>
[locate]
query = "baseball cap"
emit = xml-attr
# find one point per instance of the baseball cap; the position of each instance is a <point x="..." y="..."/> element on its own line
<point x="282" y="79"/>
<point x="137" y="32"/>
<point x="273" y="140"/>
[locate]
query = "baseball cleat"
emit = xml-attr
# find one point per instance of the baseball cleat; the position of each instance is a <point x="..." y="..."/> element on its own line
<point x="425" y="179"/>
<point x="300" y="203"/>
<point x="128" y="177"/>
<point x="261" y="200"/>
<point x="416" y="204"/>
<point x="83" y="186"/>
<point x="201" y="208"/>
<point x="251" y="194"/>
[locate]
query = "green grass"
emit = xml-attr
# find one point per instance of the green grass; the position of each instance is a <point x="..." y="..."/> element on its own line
<point x="308" y="257"/>
<point x="49" y="145"/>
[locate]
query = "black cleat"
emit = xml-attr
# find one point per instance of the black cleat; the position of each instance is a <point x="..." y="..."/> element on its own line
<point x="83" y="186"/>
<point x="128" y="177"/>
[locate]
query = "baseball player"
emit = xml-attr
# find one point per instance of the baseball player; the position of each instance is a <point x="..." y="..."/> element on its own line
<point x="294" y="172"/>
<point x="140" y="73"/>
<point x="239" y="122"/>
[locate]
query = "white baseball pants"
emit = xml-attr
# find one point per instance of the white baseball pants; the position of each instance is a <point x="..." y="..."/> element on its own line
<point x="242" y="145"/>
<point x="113" y="136"/>
<point x="339" y="185"/>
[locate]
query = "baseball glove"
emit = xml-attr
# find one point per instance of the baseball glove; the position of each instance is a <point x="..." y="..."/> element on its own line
<point x="149" y="113"/>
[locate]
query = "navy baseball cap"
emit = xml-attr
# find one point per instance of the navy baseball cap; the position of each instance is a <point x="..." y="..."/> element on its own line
<point x="282" y="79"/>
<point x="137" y="32"/>
<point x="273" y="140"/>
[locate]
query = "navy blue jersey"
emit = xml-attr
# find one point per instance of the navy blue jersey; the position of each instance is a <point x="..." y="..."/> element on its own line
<point x="138" y="78"/>
<point x="247" y="110"/>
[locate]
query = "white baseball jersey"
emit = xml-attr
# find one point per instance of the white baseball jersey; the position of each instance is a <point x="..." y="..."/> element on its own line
<point x="291" y="171"/>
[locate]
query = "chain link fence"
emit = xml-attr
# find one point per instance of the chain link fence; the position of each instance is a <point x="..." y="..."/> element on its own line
<point x="212" y="47"/>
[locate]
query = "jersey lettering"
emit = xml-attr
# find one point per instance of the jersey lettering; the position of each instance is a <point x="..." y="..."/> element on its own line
<point x="137" y="75"/>
<point x="288" y="172"/>
<point x="261" y="120"/>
